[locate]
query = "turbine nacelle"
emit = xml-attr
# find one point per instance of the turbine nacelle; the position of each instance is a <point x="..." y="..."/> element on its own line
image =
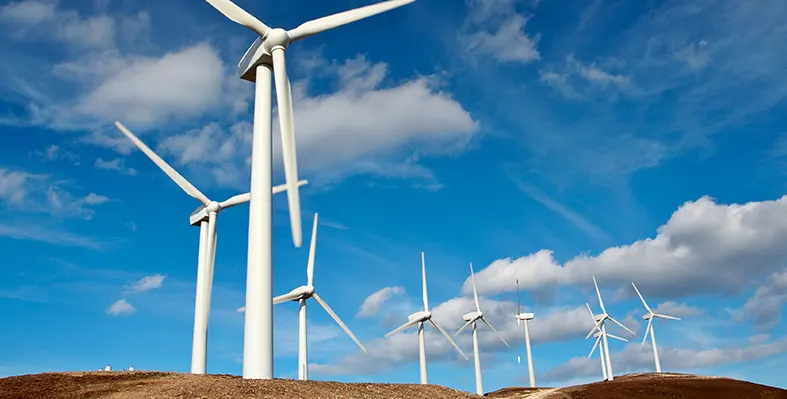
<point x="472" y="316"/>
<point x="647" y="316"/>
<point x="525" y="316"/>
<point x="423" y="315"/>
<point x="302" y="292"/>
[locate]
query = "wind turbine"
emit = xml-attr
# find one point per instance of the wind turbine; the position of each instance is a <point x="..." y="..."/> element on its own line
<point x="264" y="57"/>
<point x="522" y="318"/>
<point x="471" y="319"/>
<point x="420" y="318"/>
<point x="205" y="217"/>
<point x="300" y="295"/>
<point x="603" y="354"/>
<point x="649" y="317"/>
<point x="600" y="325"/>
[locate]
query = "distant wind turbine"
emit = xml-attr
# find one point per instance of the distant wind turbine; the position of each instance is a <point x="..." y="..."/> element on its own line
<point x="523" y="318"/>
<point x="600" y="325"/>
<point x="420" y="318"/>
<point x="205" y="217"/>
<point x="471" y="319"/>
<point x="603" y="354"/>
<point x="649" y="317"/>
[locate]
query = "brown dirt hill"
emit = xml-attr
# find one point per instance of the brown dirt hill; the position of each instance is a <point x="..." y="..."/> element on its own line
<point x="651" y="386"/>
<point x="156" y="385"/>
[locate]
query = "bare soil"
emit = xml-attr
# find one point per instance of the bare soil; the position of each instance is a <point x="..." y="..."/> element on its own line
<point x="652" y="385"/>
<point x="157" y="385"/>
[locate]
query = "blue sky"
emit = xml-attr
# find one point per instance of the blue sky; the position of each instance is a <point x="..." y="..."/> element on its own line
<point x="548" y="141"/>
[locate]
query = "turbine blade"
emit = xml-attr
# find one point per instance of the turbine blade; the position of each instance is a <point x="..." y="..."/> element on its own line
<point x="423" y="276"/>
<point x="641" y="298"/>
<point x="403" y="327"/>
<point x="663" y="316"/>
<point x="338" y="321"/>
<point x="475" y="293"/>
<point x="647" y="330"/>
<point x="239" y="16"/>
<point x="235" y="200"/>
<point x="592" y="316"/>
<point x="312" y="250"/>
<point x="495" y="331"/>
<point x="243" y="198"/>
<point x="283" y="187"/>
<point x="596" y="327"/>
<point x="319" y="25"/>
<point x="448" y="337"/>
<point x="595" y="345"/>
<point x="290" y="296"/>
<point x="184" y="184"/>
<point x="518" y="303"/>
<point x="600" y="301"/>
<point x="617" y="338"/>
<point x="287" y="127"/>
<point x="622" y="326"/>
<point x="463" y="327"/>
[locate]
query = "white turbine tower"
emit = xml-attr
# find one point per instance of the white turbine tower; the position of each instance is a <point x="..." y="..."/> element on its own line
<point x="523" y="318"/>
<point x="300" y="295"/>
<point x="603" y="354"/>
<point x="264" y="57"/>
<point x="471" y="319"/>
<point x="649" y="317"/>
<point x="600" y="325"/>
<point x="420" y="318"/>
<point x="205" y="217"/>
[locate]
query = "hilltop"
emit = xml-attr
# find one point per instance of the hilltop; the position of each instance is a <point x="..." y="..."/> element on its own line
<point x="158" y="385"/>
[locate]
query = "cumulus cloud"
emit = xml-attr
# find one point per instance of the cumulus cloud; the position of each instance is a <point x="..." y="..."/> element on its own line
<point x="764" y="308"/>
<point x="496" y="29"/>
<point x="117" y="164"/>
<point x="704" y="247"/>
<point x="147" y="283"/>
<point x="371" y="305"/>
<point x="672" y="308"/>
<point x="635" y="358"/>
<point x="43" y="19"/>
<point x="121" y="308"/>
<point x="391" y="128"/>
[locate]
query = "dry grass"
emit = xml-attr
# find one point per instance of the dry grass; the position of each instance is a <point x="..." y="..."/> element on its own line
<point x="155" y="385"/>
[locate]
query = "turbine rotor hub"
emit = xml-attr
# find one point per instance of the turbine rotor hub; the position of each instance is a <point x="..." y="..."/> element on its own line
<point x="276" y="38"/>
<point x="213" y="207"/>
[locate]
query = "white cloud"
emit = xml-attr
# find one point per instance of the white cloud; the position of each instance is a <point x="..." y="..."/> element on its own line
<point x="54" y="152"/>
<point x="150" y="90"/>
<point x="672" y="308"/>
<point x="35" y="232"/>
<point x="42" y="19"/>
<point x="764" y="308"/>
<point x="121" y="308"/>
<point x="390" y="128"/>
<point x="117" y="164"/>
<point x="639" y="358"/>
<point x="13" y="185"/>
<point x="704" y="247"/>
<point x="371" y="305"/>
<point x="147" y="283"/>
<point x="508" y="41"/>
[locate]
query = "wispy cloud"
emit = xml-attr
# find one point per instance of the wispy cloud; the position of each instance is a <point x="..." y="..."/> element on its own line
<point x="35" y="232"/>
<point x="121" y="308"/>
<point x="572" y="216"/>
<point x="147" y="283"/>
<point x="371" y="305"/>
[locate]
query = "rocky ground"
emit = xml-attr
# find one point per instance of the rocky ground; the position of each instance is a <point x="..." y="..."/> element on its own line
<point x="156" y="385"/>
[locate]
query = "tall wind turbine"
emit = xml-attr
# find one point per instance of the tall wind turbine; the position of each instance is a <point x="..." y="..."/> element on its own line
<point x="420" y="318"/>
<point x="603" y="351"/>
<point x="471" y="319"/>
<point x="300" y="295"/>
<point x="649" y="317"/>
<point x="600" y="325"/>
<point x="264" y="57"/>
<point x="523" y="318"/>
<point x="205" y="217"/>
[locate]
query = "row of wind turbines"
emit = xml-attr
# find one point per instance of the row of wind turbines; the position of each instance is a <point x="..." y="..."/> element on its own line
<point x="264" y="60"/>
